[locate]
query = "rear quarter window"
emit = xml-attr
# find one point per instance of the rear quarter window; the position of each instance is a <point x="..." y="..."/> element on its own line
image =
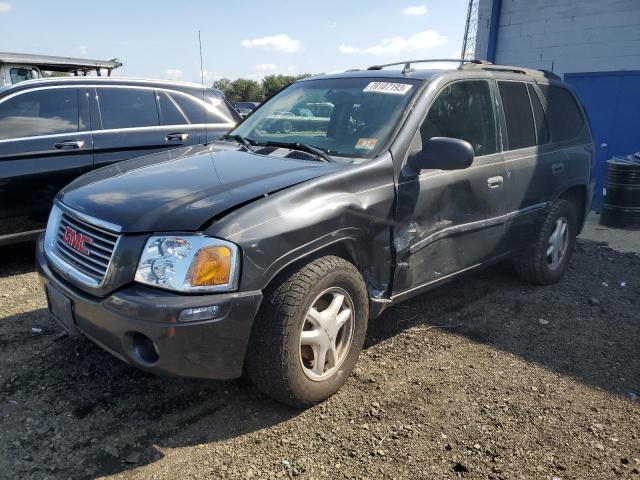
<point x="194" y="107"/>
<point x="565" y="119"/>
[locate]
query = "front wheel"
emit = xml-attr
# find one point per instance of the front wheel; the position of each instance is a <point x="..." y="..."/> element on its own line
<point x="547" y="259"/>
<point x="309" y="332"/>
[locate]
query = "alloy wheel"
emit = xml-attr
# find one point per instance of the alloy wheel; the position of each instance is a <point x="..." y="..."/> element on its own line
<point x="327" y="333"/>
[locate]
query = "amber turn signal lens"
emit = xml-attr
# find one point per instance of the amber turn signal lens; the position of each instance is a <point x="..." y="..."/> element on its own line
<point x="212" y="266"/>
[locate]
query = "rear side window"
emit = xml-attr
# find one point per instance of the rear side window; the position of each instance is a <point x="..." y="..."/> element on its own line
<point x="171" y="111"/>
<point x="41" y="112"/>
<point x="565" y="118"/>
<point x="463" y="110"/>
<point x="542" y="127"/>
<point x="127" y="108"/>
<point x="518" y="115"/>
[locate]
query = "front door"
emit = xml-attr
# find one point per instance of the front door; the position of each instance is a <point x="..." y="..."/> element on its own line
<point x="451" y="220"/>
<point x="45" y="143"/>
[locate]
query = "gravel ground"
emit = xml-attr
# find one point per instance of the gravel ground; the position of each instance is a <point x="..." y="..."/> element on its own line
<point x="486" y="377"/>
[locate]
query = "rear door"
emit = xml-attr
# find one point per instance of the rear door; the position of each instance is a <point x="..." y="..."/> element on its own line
<point x="182" y="118"/>
<point x="538" y="167"/>
<point x="126" y="123"/>
<point x="45" y="143"/>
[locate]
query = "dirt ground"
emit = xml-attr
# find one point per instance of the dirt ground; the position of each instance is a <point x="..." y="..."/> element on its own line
<point x="485" y="378"/>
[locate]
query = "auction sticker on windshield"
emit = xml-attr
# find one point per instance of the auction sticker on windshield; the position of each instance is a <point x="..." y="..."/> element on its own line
<point x="366" y="143"/>
<point x="388" y="87"/>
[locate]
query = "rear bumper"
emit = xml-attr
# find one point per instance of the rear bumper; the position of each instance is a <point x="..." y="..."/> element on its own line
<point x="212" y="348"/>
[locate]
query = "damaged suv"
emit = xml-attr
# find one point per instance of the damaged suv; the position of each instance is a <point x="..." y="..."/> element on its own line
<point x="269" y="250"/>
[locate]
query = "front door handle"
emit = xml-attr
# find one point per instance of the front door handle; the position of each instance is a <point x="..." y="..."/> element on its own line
<point x="69" y="145"/>
<point x="177" y="137"/>
<point x="495" y="182"/>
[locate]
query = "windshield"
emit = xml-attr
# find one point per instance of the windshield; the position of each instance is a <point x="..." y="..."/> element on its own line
<point x="349" y="117"/>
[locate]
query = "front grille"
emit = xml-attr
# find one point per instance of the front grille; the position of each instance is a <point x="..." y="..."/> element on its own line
<point x="94" y="260"/>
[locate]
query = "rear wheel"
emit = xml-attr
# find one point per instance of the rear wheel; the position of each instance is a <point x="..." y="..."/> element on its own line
<point x="547" y="259"/>
<point x="309" y="332"/>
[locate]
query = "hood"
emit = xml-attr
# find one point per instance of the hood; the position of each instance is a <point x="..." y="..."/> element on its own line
<point x="185" y="188"/>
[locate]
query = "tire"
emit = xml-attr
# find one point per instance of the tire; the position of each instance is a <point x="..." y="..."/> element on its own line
<point x="277" y="363"/>
<point x="534" y="265"/>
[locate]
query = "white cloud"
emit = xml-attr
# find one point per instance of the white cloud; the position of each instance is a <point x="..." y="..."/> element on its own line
<point x="5" y="7"/>
<point x="393" y="46"/>
<point x="266" y="67"/>
<point x="81" y="50"/>
<point x="415" y="10"/>
<point x="279" y="43"/>
<point x="173" y="74"/>
<point x="209" y="77"/>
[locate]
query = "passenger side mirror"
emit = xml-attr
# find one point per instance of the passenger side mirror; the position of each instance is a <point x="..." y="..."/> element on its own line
<point x="443" y="153"/>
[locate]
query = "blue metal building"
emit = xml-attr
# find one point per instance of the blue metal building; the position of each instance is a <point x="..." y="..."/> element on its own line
<point x="593" y="44"/>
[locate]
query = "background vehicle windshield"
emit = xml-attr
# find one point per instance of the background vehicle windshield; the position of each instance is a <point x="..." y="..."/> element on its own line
<point x="350" y="117"/>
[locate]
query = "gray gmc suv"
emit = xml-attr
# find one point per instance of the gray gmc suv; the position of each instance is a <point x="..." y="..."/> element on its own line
<point x="269" y="251"/>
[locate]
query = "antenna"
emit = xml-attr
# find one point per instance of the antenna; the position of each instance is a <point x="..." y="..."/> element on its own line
<point x="204" y="101"/>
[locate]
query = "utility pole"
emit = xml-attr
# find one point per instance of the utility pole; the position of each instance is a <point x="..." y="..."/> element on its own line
<point x="470" y="32"/>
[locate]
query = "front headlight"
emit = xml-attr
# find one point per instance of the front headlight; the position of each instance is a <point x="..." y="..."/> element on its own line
<point x="189" y="263"/>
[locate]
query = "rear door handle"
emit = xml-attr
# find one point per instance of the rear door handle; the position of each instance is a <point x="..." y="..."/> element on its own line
<point x="495" y="182"/>
<point x="177" y="137"/>
<point x="69" y="145"/>
<point x="557" y="167"/>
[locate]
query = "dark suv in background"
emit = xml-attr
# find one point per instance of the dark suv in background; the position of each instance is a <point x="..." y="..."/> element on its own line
<point x="269" y="251"/>
<point x="53" y="130"/>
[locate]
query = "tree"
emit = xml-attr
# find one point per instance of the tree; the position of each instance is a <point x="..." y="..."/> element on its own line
<point x="247" y="90"/>
<point x="272" y="84"/>
<point x="240" y="90"/>
<point x="224" y="85"/>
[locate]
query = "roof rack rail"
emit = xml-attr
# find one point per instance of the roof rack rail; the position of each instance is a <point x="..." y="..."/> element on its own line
<point x="407" y="63"/>
<point x="509" y="68"/>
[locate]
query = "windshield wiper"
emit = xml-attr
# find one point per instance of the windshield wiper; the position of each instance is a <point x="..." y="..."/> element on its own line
<point x="320" y="154"/>
<point x="241" y="140"/>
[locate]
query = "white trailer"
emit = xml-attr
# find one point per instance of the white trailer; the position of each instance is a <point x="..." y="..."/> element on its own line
<point x="17" y="67"/>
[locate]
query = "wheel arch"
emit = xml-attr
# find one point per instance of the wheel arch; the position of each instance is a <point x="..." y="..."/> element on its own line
<point x="577" y="195"/>
<point x="345" y="248"/>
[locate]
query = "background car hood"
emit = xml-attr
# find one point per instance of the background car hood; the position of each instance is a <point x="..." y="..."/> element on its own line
<point x="185" y="188"/>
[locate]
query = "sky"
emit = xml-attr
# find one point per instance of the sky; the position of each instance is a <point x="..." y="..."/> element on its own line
<point x="248" y="39"/>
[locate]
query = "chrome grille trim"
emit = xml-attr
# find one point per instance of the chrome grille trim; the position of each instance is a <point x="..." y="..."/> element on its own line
<point x="90" y="269"/>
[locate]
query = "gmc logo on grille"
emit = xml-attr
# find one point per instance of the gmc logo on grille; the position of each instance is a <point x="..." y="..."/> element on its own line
<point x="76" y="240"/>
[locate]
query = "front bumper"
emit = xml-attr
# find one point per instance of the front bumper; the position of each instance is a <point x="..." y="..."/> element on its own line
<point x="205" y="349"/>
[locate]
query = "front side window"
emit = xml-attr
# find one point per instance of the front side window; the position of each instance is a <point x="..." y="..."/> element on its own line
<point x="127" y="108"/>
<point x="349" y="117"/>
<point x="40" y="112"/>
<point x="464" y="110"/>
<point x="518" y="115"/>
<point x="565" y="118"/>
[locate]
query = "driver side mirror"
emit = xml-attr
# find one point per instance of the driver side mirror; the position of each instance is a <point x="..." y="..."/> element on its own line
<point x="443" y="153"/>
